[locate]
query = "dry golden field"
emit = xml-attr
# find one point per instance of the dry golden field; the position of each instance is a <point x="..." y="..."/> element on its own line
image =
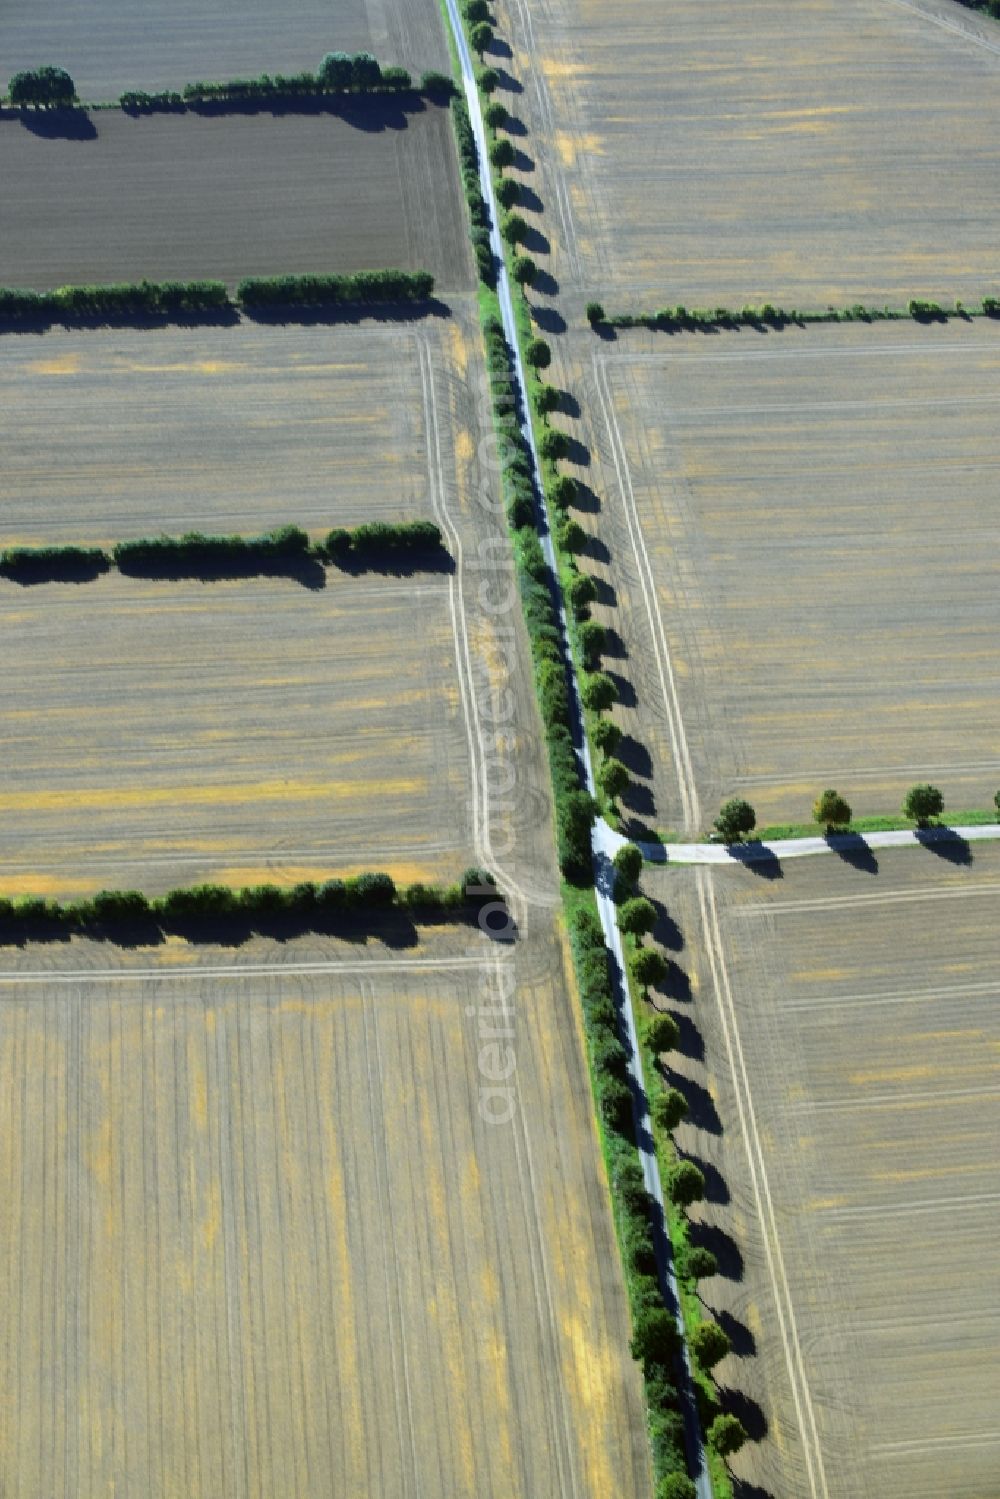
<point x="256" y="729"/>
<point x="825" y="151"/>
<point x="802" y="533"/>
<point x="258" y="1239"/>
<point x="127" y="433"/>
<point x="176" y="198"/>
<point x="848" y="1115"/>
<point x="114" y="45"/>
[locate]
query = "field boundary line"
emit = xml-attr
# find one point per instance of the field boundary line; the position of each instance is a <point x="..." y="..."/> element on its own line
<point x="946" y="25"/>
<point x="481" y="838"/>
<point x="713" y="356"/>
<point x="228" y="971"/>
<point x="678" y="738"/>
<point x="872" y="898"/>
<point x="761" y="1188"/>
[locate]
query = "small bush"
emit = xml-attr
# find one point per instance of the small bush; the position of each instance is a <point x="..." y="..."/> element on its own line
<point x="572" y="538"/>
<point x="628" y="860"/>
<point x="508" y="192"/>
<point x="648" y="968"/>
<point x="727" y="1435"/>
<point x="922" y="802"/>
<point x="831" y="810"/>
<point x="662" y="1034"/>
<point x="502" y="153"/>
<point x="488" y="80"/>
<point x="564" y="490"/>
<point x="593" y="638"/>
<point x="736" y="818"/>
<point x="595" y="314"/>
<point x="436" y="85"/>
<point x="582" y="592"/>
<point x="598" y="691"/>
<point x="495" y="115"/>
<point x="553" y="445"/>
<point x="671" y="1106"/>
<point x="686" y="1184"/>
<point x="709" y="1344"/>
<point x="537" y="354"/>
<point x="606" y="735"/>
<point x="699" y="1263"/>
<point x="655" y="1339"/>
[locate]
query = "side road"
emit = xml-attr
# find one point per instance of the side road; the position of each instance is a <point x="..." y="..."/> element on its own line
<point x="844" y="844"/>
<point x="604" y="881"/>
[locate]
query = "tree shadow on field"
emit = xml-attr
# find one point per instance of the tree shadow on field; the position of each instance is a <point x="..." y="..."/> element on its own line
<point x="597" y="550"/>
<point x="624" y="691"/>
<point x="507" y="82"/>
<point x="666" y="932"/>
<point x="946" y="843"/>
<point x="404" y="565"/>
<point x="369" y="113"/>
<point x="56" y="124"/>
<point x="716" y="1190"/>
<point x="548" y="319"/>
<point x="747" y="1411"/>
<point x="535" y="242"/>
<point x="745" y="1490"/>
<point x="759" y="859"/>
<point x="374" y="312"/>
<point x="742" y="1340"/>
<point x="498" y="47"/>
<point x="702" y="1113"/>
<point x="633" y="755"/>
<point x="568" y="406"/>
<point x="514" y="126"/>
<point x="305" y="571"/>
<point x="529" y="199"/>
<point x="853" y="849"/>
<point x="522" y="163"/>
<point x="723" y="1246"/>
<point x="585" y="500"/>
<point x="689" y="1042"/>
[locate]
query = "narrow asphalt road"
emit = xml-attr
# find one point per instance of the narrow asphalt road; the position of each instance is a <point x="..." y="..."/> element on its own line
<point x="844" y="844"/>
<point x="603" y="837"/>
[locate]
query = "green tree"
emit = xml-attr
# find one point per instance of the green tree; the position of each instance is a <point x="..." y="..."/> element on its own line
<point x="582" y="593"/>
<point x="573" y="539"/>
<point x="648" y="967"/>
<point x="514" y="229"/>
<point x="488" y="80"/>
<point x="335" y="71"/>
<point x="593" y="638"/>
<point x="476" y="11"/>
<point x="628" y="859"/>
<point x="709" y="1344"/>
<point x="564" y="490"/>
<point x="606" y="736"/>
<point x="637" y="916"/>
<point x="662" y="1034"/>
<point x="727" y="1435"/>
<point x="595" y="314"/>
<point x="481" y="36"/>
<point x="495" y="115"/>
<point x="538" y="354"/>
<point x="685" y="1184"/>
<point x="831" y="810"/>
<point x="554" y="445"/>
<point x="613" y="778"/>
<point x="47" y="87"/>
<point x="655" y="1339"/>
<point x="365" y="71"/>
<point x="502" y="153"/>
<point x="598" y="691"/>
<point x="676" y="1486"/>
<point x="736" y="818"/>
<point x="546" y="401"/>
<point x="699" y="1263"/>
<point x="922" y="803"/>
<point x="670" y="1107"/>
<point x="508" y="192"/>
<point x="525" y="270"/>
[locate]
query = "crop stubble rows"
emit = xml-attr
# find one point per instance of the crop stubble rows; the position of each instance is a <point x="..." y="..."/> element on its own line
<point x="865" y="1007"/>
<point x="189" y="198"/>
<point x="116" y="45"/>
<point x="257" y="1238"/>
<point x="817" y="510"/>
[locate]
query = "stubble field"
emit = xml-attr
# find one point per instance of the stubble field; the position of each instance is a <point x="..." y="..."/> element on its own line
<point x="259" y="1239"/>
<point x="116" y="45"/>
<point x="801" y="530"/>
<point x="847" y="1115"/>
<point x="258" y="728"/>
<point x="799" y="155"/>
<point x="176" y="198"/>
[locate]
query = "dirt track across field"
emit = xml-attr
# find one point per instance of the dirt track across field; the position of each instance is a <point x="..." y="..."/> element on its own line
<point x="839" y="1047"/>
<point x="187" y="197"/>
<point x="114" y="45"/>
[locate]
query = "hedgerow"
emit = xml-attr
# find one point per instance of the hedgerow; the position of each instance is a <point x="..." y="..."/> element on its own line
<point x="63" y="563"/>
<point x="379" y="537"/>
<point x="479" y="217"/>
<point x="181" y="556"/>
<point x="306" y="906"/>
<point x="678" y="319"/>
<point x="119" y="300"/>
<point x="364" y="287"/>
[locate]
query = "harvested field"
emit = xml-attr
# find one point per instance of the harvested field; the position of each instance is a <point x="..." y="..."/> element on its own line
<point x="126" y="434"/>
<point x="797" y="154"/>
<point x="256" y="729"/>
<point x="810" y="521"/>
<point x="258" y="1239"/>
<point x="160" y="733"/>
<point x="115" y="45"/>
<point x="847" y="1115"/>
<point x="190" y="197"/>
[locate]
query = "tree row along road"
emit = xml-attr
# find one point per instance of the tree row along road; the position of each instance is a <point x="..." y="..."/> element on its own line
<point x="604" y="840"/>
<point x="796" y="848"/>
